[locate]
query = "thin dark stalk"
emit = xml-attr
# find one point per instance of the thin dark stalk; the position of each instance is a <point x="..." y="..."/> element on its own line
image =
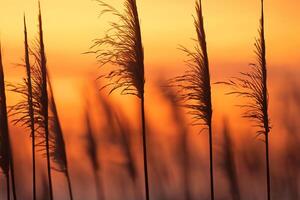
<point x="7" y="163"/>
<point x="7" y="187"/>
<point x="44" y="100"/>
<point x="30" y="108"/>
<point x="145" y="147"/>
<point x="265" y="99"/>
<point x="268" y="168"/>
<point x="211" y="164"/>
<point x="12" y="173"/>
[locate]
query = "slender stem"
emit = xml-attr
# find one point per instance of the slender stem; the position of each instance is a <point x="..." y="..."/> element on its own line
<point x="69" y="184"/>
<point x="7" y="186"/>
<point x="30" y="107"/>
<point x="211" y="164"/>
<point x="268" y="168"/>
<point x="33" y="165"/>
<point x="145" y="147"/>
<point x="99" y="186"/>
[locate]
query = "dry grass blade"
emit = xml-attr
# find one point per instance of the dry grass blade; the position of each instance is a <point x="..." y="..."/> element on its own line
<point x="122" y="47"/>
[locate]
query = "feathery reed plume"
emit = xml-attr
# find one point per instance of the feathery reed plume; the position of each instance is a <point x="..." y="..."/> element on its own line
<point x="253" y="86"/>
<point x="183" y="152"/>
<point x="92" y="152"/>
<point x="229" y="162"/>
<point x="44" y="98"/>
<point x="40" y="98"/>
<point x="194" y="86"/>
<point x="24" y="109"/>
<point x="6" y="157"/>
<point x="122" y="47"/>
<point x="57" y="142"/>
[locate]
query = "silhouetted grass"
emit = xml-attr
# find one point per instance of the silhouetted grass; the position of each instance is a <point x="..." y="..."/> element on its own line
<point x="253" y="87"/>
<point x="122" y="47"/>
<point x="6" y="154"/>
<point x="40" y="98"/>
<point x="24" y="110"/>
<point x="194" y="86"/>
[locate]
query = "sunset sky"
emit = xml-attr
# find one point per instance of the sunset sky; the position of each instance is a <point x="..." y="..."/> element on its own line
<point x="231" y="28"/>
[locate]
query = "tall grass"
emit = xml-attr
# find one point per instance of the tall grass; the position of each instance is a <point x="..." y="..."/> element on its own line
<point x="122" y="47"/>
<point x="194" y="87"/>
<point x="253" y="86"/>
<point x="44" y="98"/>
<point x="6" y="154"/>
<point x="40" y="97"/>
<point x="24" y="110"/>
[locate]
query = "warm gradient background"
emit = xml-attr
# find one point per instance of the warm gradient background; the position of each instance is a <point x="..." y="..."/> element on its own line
<point x="231" y="28"/>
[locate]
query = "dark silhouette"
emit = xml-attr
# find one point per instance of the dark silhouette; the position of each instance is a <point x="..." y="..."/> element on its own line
<point x="194" y="86"/>
<point x="253" y="86"/>
<point x="24" y="110"/>
<point x="122" y="47"/>
<point x="6" y="154"/>
<point x="30" y="108"/>
<point x="40" y="98"/>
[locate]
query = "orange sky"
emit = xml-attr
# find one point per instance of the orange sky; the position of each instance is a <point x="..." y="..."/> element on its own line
<point x="70" y="26"/>
<point x="231" y="26"/>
